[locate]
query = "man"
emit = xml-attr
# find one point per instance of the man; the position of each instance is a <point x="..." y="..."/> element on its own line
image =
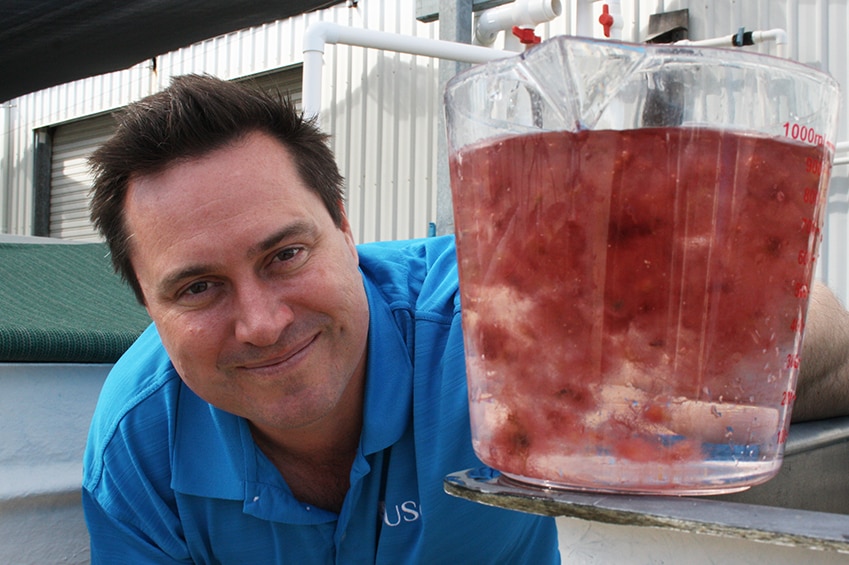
<point x="297" y="401"/>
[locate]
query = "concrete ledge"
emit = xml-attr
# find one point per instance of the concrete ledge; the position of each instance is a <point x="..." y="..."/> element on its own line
<point x="45" y="410"/>
<point x="41" y="515"/>
<point x="39" y="486"/>
<point x="44" y="529"/>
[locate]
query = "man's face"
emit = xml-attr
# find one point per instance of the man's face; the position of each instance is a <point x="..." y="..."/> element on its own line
<point x="254" y="290"/>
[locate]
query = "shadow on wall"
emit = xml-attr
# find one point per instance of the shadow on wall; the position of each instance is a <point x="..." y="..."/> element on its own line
<point x="385" y="131"/>
<point x="401" y="86"/>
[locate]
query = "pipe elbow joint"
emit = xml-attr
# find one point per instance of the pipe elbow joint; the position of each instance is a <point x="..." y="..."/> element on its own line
<point x="319" y="34"/>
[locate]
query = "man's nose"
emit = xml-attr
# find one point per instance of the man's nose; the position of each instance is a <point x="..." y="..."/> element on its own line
<point x="262" y="315"/>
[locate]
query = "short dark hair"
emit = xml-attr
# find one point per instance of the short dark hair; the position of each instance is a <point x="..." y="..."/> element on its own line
<point x="195" y="115"/>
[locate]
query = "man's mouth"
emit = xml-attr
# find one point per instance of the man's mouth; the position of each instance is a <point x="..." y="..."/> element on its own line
<point x="277" y="359"/>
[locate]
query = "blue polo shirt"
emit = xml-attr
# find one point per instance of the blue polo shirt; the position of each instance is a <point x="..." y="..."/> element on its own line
<point x="169" y="478"/>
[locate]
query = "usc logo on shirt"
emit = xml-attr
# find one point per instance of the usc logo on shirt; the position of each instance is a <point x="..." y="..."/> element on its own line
<point x="396" y="514"/>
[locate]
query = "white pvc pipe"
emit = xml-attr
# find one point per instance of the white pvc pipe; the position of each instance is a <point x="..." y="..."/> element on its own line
<point x="841" y="153"/>
<point x="319" y="34"/>
<point x="583" y="15"/>
<point x="777" y="35"/>
<point x="517" y="13"/>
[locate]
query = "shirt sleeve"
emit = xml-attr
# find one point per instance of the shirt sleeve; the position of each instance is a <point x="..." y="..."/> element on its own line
<point x="130" y="509"/>
<point x="114" y="540"/>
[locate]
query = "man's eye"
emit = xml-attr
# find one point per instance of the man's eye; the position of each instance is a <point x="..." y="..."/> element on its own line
<point x="197" y="288"/>
<point x="289" y="254"/>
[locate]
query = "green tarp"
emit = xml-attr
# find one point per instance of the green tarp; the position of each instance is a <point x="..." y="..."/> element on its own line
<point x="63" y="303"/>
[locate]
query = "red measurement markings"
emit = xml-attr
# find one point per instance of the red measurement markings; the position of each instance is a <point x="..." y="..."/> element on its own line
<point x="810" y="225"/>
<point x="793" y="361"/>
<point x="787" y="397"/>
<point x="803" y="133"/>
<point x="813" y="165"/>
<point x="809" y="196"/>
<point x="782" y="435"/>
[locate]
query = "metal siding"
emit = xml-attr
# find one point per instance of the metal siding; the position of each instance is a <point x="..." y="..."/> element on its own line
<point x="71" y="178"/>
<point x="381" y="108"/>
<point x="287" y="82"/>
<point x="75" y="141"/>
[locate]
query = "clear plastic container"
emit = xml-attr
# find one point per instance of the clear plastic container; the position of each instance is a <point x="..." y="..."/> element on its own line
<point x="636" y="233"/>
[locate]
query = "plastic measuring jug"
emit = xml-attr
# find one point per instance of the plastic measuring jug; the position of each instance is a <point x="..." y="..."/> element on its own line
<point x="636" y="233"/>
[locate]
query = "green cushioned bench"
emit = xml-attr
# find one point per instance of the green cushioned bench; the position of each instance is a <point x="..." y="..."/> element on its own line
<point x="63" y="303"/>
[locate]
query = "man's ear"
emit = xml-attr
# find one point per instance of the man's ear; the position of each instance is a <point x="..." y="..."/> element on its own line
<point x="345" y="228"/>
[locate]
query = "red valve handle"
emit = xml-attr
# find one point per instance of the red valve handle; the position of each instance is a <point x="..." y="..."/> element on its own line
<point x="605" y="19"/>
<point x="526" y="35"/>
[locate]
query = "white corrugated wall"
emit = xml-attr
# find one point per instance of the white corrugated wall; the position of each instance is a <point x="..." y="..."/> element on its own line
<point x="382" y="107"/>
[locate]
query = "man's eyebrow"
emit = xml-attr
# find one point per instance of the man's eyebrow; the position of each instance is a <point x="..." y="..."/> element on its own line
<point x="296" y="229"/>
<point x="175" y="278"/>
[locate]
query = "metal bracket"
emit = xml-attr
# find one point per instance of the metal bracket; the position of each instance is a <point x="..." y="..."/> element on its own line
<point x="669" y="27"/>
